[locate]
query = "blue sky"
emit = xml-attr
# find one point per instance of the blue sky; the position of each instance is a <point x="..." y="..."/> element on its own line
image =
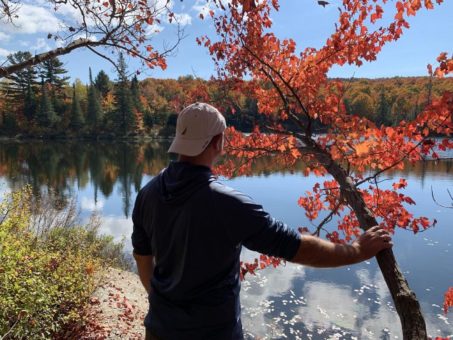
<point x="306" y="22"/>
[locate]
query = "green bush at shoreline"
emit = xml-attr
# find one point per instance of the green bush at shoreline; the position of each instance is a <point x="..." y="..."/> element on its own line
<point x="48" y="266"/>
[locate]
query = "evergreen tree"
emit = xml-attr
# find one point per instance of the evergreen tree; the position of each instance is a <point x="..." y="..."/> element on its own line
<point x="135" y="92"/>
<point x="19" y="81"/>
<point x="77" y="119"/>
<point x="20" y="87"/>
<point x="148" y="119"/>
<point x="53" y="73"/>
<point x="94" y="109"/>
<point x="383" y="110"/>
<point x="46" y="116"/>
<point x="124" y="117"/>
<point x="30" y="102"/>
<point x="102" y="83"/>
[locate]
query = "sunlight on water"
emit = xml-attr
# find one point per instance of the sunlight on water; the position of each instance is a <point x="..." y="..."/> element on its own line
<point x="287" y="302"/>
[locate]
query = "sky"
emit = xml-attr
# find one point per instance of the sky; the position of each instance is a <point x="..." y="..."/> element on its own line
<point x="304" y="21"/>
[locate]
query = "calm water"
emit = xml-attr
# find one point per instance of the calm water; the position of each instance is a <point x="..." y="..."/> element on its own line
<point x="287" y="302"/>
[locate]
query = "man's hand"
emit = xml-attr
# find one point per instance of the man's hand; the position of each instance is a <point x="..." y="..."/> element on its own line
<point x="372" y="242"/>
<point x="316" y="252"/>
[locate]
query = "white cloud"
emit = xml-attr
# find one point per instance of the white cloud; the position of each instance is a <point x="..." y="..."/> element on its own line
<point x="4" y="53"/>
<point x="203" y="7"/>
<point x="335" y="307"/>
<point x="84" y="36"/>
<point x="72" y="16"/>
<point x="4" y="37"/>
<point x="90" y="205"/>
<point x="119" y="227"/>
<point x="153" y="29"/>
<point x="40" y="45"/>
<point x="183" y="19"/>
<point x="276" y="298"/>
<point x="35" y="46"/>
<point x="59" y="43"/>
<point x="259" y="292"/>
<point x="33" y="19"/>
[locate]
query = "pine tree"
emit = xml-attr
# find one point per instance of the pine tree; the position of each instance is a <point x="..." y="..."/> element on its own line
<point x="94" y="109"/>
<point x="46" y="116"/>
<point x="124" y="118"/>
<point x="102" y="83"/>
<point x="53" y="73"/>
<point x="21" y="86"/>
<point x="18" y="81"/>
<point x="77" y="119"/>
<point x="383" y="110"/>
<point x="30" y="102"/>
<point x="135" y="92"/>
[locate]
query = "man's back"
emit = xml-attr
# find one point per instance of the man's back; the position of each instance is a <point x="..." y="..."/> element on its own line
<point x="195" y="227"/>
<point x="189" y="230"/>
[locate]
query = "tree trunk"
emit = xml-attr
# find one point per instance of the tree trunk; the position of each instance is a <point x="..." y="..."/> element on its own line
<point x="406" y="303"/>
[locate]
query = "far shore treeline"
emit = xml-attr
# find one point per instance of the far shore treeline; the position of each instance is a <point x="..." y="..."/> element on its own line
<point x="39" y="101"/>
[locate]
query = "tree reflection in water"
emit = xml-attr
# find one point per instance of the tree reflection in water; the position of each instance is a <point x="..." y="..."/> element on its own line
<point x="60" y="168"/>
<point x="291" y="300"/>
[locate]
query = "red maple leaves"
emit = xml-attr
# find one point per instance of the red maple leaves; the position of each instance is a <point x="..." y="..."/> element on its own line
<point x="448" y="300"/>
<point x="293" y="86"/>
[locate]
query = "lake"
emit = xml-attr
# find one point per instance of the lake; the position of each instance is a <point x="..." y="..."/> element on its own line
<point x="291" y="301"/>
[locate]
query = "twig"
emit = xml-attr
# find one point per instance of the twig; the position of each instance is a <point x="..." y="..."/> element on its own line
<point x="328" y="218"/>
<point x="441" y="205"/>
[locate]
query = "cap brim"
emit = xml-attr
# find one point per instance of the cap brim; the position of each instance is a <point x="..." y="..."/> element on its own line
<point x="188" y="147"/>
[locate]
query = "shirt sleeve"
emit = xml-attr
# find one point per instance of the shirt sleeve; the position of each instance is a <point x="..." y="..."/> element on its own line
<point x="249" y="224"/>
<point x="140" y="240"/>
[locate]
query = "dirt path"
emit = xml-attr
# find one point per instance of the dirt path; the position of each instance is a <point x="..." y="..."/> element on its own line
<point x="118" y="307"/>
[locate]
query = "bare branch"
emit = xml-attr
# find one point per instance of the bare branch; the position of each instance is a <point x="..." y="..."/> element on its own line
<point x="105" y="57"/>
<point x="8" y="9"/>
<point x="441" y="205"/>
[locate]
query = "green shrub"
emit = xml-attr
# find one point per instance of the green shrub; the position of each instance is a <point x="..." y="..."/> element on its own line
<point x="47" y="277"/>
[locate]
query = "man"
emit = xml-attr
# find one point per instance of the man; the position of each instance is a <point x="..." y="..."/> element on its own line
<point x="189" y="230"/>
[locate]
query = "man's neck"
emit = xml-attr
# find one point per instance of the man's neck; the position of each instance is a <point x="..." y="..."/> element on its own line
<point x="197" y="160"/>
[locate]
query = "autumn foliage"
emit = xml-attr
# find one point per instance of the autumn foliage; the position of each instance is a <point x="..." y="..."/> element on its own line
<point x="293" y="86"/>
<point x="448" y="301"/>
<point x="302" y="92"/>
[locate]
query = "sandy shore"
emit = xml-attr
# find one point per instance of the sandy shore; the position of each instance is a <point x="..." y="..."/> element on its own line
<point x="118" y="307"/>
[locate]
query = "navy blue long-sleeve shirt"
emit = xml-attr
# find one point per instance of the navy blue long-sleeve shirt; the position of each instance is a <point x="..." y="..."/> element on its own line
<point x="195" y="227"/>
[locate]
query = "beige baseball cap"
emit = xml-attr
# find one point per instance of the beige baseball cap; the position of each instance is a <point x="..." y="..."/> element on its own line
<point x="195" y="127"/>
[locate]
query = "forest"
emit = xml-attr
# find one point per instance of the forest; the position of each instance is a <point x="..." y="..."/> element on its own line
<point x="40" y="101"/>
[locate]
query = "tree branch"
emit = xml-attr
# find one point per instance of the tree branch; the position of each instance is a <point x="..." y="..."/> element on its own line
<point x="39" y="58"/>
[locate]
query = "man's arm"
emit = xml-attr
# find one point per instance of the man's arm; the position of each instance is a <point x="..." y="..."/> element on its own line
<point x="316" y="252"/>
<point x="145" y="267"/>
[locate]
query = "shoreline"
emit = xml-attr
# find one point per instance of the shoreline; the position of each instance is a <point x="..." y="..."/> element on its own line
<point x="117" y="308"/>
<point x="103" y="138"/>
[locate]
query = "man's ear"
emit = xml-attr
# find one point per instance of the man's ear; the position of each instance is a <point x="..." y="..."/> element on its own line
<point x="219" y="142"/>
<point x="216" y="142"/>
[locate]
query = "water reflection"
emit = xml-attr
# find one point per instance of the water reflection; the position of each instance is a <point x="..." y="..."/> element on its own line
<point x="292" y="301"/>
<point x="62" y="168"/>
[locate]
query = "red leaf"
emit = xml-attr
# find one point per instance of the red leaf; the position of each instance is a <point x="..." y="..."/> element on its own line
<point x="448" y="299"/>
